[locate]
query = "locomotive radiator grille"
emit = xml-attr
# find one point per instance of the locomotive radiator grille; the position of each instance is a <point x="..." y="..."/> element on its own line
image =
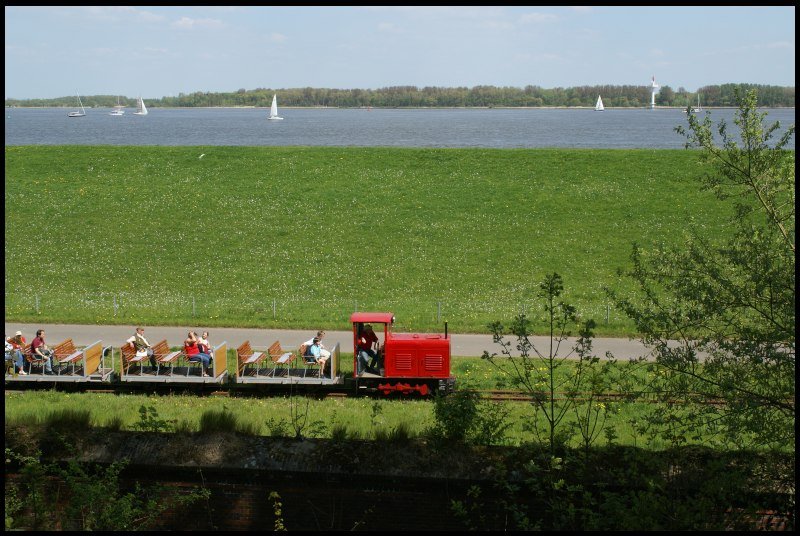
<point x="433" y="363"/>
<point x="403" y="362"/>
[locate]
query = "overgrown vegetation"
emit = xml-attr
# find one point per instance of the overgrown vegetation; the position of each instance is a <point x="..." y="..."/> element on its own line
<point x="48" y="495"/>
<point x="554" y="396"/>
<point x="719" y="311"/>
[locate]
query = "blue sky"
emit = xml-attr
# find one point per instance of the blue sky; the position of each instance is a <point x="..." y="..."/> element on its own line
<point x="167" y="50"/>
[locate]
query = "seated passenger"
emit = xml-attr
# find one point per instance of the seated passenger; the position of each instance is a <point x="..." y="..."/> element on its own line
<point x="205" y="346"/>
<point x="14" y="346"/>
<point x="314" y="352"/>
<point x="322" y="350"/>
<point x="367" y="357"/>
<point x="41" y="352"/>
<point x="142" y="347"/>
<point x="193" y="353"/>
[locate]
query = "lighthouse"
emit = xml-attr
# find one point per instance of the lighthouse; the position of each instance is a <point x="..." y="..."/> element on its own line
<point x="653" y="90"/>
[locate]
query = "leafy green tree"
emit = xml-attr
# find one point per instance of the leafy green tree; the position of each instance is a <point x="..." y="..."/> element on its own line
<point x="666" y="96"/>
<point x="561" y="383"/>
<point x="719" y="312"/>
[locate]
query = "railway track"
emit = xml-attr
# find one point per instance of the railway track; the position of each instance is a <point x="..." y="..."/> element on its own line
<point x="521" y="396"/>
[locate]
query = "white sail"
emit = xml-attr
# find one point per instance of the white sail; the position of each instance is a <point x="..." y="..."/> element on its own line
<point x="695" y="109"/>
<point x="273" y="111"/>
<point x="118" y="109"/>
<point x="82" y="113"/>
<point x="141" y="109"/>
<point x="599" y="106"/>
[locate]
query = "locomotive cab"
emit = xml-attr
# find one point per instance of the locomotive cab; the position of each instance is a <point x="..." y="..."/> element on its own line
<point x="405" y="362"/>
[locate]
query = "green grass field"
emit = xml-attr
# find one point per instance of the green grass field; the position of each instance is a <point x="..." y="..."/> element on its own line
<point x="361" y="416"/>
<point x="300" y="237"/>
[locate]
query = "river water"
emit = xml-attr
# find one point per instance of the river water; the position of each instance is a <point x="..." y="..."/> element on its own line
<point x="497" y="128"/>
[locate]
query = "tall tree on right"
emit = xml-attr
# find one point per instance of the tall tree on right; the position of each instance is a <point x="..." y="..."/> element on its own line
<point x="719" y="312"/>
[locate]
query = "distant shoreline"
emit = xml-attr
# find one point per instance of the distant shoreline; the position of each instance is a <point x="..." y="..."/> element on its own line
<point x="409" y="107"/>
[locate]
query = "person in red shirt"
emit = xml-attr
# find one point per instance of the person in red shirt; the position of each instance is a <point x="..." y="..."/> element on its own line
<point x="193" y="353"/>
<point x="39" y="350"/>
<point x="367" y="357"/>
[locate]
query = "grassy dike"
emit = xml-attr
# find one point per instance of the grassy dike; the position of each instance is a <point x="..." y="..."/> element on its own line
<point x="299" y="237"/>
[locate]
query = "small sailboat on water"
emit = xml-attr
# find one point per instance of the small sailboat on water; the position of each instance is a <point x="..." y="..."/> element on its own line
<point x="141" y="109"/>
<point x="598" y="107"/>
<point x="118" y="109"/>
<point x="82" y="113"/>
<point x="695" y="109"/>
<point x="273" y="111"/>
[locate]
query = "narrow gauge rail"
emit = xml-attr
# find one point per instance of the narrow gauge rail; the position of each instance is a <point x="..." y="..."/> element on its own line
<point x="644" y="396"/>
<point x="384" y="362"/>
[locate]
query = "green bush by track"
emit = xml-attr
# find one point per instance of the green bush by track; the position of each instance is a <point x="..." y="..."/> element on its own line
<point x="300" y="237"/>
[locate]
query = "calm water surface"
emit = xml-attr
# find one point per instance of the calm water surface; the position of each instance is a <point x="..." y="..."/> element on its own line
<point x="500" y="128"/>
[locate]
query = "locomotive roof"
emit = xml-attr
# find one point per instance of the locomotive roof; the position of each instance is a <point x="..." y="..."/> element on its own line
<point x="386" y="318"/>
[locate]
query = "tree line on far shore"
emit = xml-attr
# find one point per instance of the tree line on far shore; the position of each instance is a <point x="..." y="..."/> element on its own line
<point x="445" y="97"/>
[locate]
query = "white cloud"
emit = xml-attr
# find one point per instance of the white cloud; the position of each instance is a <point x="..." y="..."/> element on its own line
<point x="103" y="52"/>
<point x="277" y="38"/>
<point x="535" y="18"/>
<point x="120" y="13"/>
<point x="777" y="44"/>
<point x="189" y="23"/>
<point x="388" y="27"/>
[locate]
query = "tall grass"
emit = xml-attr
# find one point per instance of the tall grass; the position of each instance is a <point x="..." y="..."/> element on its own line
<point x="225" y="421"/>
<point x="300" y="237"/>
<point x="338" y="418"/>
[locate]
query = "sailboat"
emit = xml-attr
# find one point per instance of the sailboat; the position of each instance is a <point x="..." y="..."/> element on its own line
<point x="695" y="109"/>
<point x="698" y="109"/>
<point x="141" y="109"/>
<point x="273" y="111"/>
<point x="599" y="106"/>
<point x="118" y="109"/>
<point x="82" y="113"/>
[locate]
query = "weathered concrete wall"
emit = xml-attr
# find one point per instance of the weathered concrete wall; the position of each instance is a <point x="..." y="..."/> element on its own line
<point x="323" y="484"/>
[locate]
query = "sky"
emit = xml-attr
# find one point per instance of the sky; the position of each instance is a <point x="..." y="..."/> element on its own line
<point x="56" y="51"/>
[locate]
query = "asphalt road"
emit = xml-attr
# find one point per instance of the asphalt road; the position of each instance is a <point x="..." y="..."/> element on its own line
<point x="462" y="345"/>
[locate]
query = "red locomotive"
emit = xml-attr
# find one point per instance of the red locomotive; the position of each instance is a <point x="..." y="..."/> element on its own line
<point x="404" y="362"/>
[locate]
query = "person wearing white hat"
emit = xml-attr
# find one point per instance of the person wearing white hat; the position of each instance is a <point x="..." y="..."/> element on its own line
<point x="17" y="343"/>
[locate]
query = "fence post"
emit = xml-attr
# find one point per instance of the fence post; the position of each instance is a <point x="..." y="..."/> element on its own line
<point x="115" y="305"/>
<point x="37" y="304"/>
<point x="607" y="311"/>
<point x="438" y="311"/>
<point x="273" y="308"/>
<point x="192" y="306"/>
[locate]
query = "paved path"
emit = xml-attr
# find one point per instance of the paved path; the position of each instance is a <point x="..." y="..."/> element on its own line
<point x="462" y="345"/>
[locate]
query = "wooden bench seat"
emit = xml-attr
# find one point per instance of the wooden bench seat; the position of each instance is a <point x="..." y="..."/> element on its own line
<point x="32" y="359"/>
<point x="278" y="355"/>
<point x="66" y="353"/>
<point x="129" y="357"/>
<point x="246" y="356"/>
<point x="165" y="356"/>
<point x="161" y="352"/>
